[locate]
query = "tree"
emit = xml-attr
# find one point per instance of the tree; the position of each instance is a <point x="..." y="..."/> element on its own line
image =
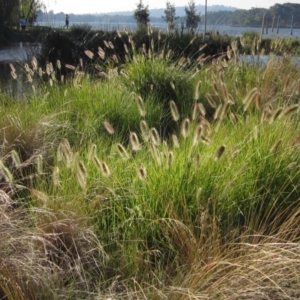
<point x="170" y="15"/>
<point x="192" y="18"/>
<point x="141" y="14"/>
<point x="29" y="9"/>
<point x="12" y="10"/>
<point x="9" y="12"/>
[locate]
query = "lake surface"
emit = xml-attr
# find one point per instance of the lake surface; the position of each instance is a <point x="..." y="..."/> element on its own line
<point x="17" y="54"/>
<point x="232" y="31"/>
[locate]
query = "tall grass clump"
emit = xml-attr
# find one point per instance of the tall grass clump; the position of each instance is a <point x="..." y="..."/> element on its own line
<point x="117" y="208"/>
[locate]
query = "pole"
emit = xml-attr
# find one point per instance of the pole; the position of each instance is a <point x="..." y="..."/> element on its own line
<point x="278" y="24"/>
<point x="263" y="24"/>
<point x="292" y="24"/>
<point x="273" y="22"/>
<point x="205" y="17"/>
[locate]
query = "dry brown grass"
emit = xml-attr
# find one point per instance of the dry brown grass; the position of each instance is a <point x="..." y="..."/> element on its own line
<point x="47" y="254"/>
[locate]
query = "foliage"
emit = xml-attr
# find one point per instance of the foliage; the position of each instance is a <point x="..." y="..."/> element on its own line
<point x="96" y="201"/>
<point x="170" y="15"/>
<point x="254" y="16"/>
<point x="141" y="14"/>
<point x="9" y="12"/>
<point x="192" y="19"/>
<point x="12" y="10"/>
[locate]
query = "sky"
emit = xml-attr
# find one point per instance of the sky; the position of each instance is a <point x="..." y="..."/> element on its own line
<point x="100" y="6"/>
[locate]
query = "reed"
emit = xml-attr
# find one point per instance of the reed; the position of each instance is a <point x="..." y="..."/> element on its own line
<point x="174" y="111"/>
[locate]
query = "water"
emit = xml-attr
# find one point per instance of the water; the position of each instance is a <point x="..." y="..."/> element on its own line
<point x="232" y="31"/>
<point x="17" y="54"/>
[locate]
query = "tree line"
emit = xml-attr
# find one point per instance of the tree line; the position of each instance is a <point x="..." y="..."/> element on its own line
<point x="189" y="22"/>
<point x="253" y="17"/>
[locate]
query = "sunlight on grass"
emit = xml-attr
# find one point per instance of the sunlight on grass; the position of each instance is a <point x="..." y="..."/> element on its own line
<point x="152" y="178"/>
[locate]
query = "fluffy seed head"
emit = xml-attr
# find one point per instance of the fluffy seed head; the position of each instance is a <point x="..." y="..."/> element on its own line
<point x="29" y="78"/>
<point x="197" y="135"/>
<point x="258" y="100"/>
<point x="58" y="64"/>
<point x="12" y="68"/>
<point x="155" y="153"/>
<point x="34" y="63"/>
<point x="126" y="48"/>
<point x="15" y="158"/>
<point x="219" y="152"/>
<point x="102" y="166"/>
<point x="111" y="45"/>
<point x="195" y="112"/>
<point x="205" y="140"/>
<point x="115" y="58"/>
<point x="108" y="127"/>
<point x="286" y="82"/>
<point x="290" y="109"/>
<point x="89" y="54"/>
<point x="175" y="141"/>
<point x="249" y="97"/>
<point x="101" y="53"/>
<point x="215" y="88"/>
<point x="81" y="174"/>
<point x="141" y="106"/>
<point x="170" y="158"/>
<point x="201" y="109"/>
<point x="174" y="111"/>
<point x="202" y="47"/>
<point x="13" y="75"/>
<point x="39" y="195"/>
<point x="276" y="114"/>
<point x="218" y="112"/>
<point x="144" y="130"/>
<point x="185" y="127"/>
<point x="70" y="67"/>
<point x="65" y="153"/>
<point x="5" y="172"/>
<point x="55" y="176"/>
<point x="39" y="164"/>
<point x="122" y="151"/>
<point x="92" y="152"/>
<point x="142" y="173"/>
<point x="134" y="141"/>
<point x="106" y="44"/>
<point x="197" y="90"/>
<point x="155" y="138"/>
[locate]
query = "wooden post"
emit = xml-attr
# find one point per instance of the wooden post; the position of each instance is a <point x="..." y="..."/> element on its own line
<point x="263" y="24"/>
<point x="292" y="24"/>
<point x="278" y="24"/>
<point x="273" y="22"/>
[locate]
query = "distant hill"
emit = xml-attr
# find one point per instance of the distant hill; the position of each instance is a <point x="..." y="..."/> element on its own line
<point x="159" y="12"/>
<point x="217" y="15"/>
<point x="126" y="16"/>
<point x="253" y="17"/>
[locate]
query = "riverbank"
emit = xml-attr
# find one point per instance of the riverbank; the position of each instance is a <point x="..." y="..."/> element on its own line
<point x="30" y="35"/>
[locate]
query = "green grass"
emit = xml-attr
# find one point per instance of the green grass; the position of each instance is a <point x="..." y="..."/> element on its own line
<point x="173" y="181"/>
